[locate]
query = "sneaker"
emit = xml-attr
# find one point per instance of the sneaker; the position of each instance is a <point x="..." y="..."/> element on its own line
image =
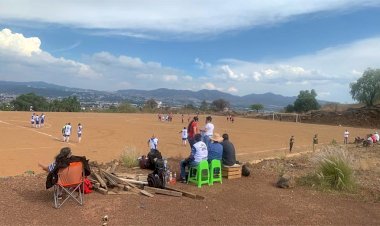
<point x="183" y="180"/>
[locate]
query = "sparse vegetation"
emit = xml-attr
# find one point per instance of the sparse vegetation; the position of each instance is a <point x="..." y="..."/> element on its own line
<point x="129" y="157"/>
<point x="333" y="170"/>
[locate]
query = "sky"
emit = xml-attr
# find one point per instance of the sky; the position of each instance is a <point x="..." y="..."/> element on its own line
<point x="239" y="47"/>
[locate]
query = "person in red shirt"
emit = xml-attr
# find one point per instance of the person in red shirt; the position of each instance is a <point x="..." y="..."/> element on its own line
<point x="192" y="129"/>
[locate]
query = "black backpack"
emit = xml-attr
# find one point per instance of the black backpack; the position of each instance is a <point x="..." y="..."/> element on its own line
<point x="157" y="179"/>
<point x="153" y="157"/>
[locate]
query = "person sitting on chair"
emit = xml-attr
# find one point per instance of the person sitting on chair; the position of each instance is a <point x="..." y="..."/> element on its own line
<point x="63" y="160"/>
<point x="215" y="149"/>
<point x="229" y="158"/>
<point x="198" y="153"/>
<point x="63" y="155"/>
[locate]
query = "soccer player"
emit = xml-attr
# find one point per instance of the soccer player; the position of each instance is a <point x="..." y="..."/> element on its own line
<point x="79" y="131"/>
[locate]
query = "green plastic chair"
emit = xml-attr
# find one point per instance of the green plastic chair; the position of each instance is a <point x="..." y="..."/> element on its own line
<point x="215" y="171"/>
<point x="197" y="174"/>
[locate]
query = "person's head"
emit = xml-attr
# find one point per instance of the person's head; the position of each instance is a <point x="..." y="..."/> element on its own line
<point x="208" y="119"/>
<point x="196" y="118"/>
<point x="79" y="124"/>
<point x="184" y="127"/>
<point x="225" y="136"/>
<point x="216" y="138"/>
<point x="197" y="137"/>
<point x="63" y="154"/>
<point x="69" y="123"/>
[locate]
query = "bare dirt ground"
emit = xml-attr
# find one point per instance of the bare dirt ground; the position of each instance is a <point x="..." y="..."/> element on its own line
<point x="105" y="136"/>
<point x="247" y="201"/>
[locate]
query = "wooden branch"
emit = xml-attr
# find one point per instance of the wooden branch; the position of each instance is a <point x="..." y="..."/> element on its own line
<point x="102" y="191"/>
<point x="146" y="193"/>
<point x="185" y="193"/>
<point x="162" y="191"/>
<point x="113" y="167"/>
<point x="126" y="175"/>
<point x="101" y="181"/>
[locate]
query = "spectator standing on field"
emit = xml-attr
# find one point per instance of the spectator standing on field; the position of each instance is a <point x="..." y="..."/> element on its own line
<point x="208" y="131"/>
<point x="291" y="143"/>
<point x="346" y="134"/>
<point x="153" y="143"/>
<point x="192" y="129"/>
<point x="184" y="136"/>
<point x="79" y="132"/>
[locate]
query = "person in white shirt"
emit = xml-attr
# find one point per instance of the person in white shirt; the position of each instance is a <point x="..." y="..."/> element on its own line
<point x="153" y="143"/>
<point x="79" y="131"/>
<point x="67" y="132"/>
<point x="184" y="135"/>
<point x="377" y="136"/>
<point x="198" y="153"/>
<point x="207" y="131"/>
<point x="346" y="134"/>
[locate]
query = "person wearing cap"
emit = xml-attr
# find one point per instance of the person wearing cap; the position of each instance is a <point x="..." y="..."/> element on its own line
<point x="215" y="149"/>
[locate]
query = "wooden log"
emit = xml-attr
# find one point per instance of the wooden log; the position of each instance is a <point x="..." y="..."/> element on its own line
<point x="120" y="193"/>
<point x="102" y="191"/>
<point x="96" y="185"/>
<point x="125" y="181"/>
<point x="113" y="167"/>
<point x="142" y="178"/>
<point x="126" y="175"/>
<point x="185" y="193"/>
<point x="146" y="193"/>
<point x="108" y="169"/>
<point x="162" y="191"/>
<point x="101" y="181"/>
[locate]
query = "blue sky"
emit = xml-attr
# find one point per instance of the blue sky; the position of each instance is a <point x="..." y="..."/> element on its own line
<point x="240" y="47"/>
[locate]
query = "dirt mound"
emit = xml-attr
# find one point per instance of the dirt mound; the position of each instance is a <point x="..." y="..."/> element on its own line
<point x="368" y="117"/>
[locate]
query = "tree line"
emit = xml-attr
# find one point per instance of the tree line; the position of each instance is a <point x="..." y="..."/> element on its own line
<point x="38" y="103"/>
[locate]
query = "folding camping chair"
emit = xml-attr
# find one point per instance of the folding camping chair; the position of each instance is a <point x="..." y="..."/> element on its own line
<point x="70" y="180"/>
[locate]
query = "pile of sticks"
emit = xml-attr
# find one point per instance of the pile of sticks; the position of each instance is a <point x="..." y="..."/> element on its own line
<point x="109" y="182"/>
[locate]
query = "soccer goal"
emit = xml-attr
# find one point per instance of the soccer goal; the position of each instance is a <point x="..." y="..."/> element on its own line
<point x="288" y="117"/>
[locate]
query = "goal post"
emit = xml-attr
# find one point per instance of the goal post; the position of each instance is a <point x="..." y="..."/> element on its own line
<point x="289" y="117"/>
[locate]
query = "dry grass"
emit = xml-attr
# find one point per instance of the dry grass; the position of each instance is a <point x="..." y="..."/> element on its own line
<point x="129" y="157"/>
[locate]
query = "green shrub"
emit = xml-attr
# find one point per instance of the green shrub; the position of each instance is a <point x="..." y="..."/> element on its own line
<point x="334" y="142"/>
<point x="129" y="157"/>
<point x="334" y="168"/>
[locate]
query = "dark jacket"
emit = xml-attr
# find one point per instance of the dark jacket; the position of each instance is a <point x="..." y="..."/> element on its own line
<point x="229" y="158"/>
<point x="52" y="177"/>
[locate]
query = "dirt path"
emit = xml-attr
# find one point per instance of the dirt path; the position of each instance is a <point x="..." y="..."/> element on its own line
<point x="246" y="201"/>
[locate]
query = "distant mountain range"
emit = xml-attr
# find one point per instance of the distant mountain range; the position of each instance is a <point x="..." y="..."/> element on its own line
<point x="169" y="97"/>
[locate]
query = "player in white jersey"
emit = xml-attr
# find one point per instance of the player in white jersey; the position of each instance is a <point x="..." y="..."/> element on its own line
<point x="42" y="119"/>
<point x="153" y="143"/>
<point x="67" y="132"/>
<point x="79" y="132"/>
<point x="32" y="120"/>
<point x="184" y="135"/>
<point x="207" y="131"/>
<point x="37" y="121"/>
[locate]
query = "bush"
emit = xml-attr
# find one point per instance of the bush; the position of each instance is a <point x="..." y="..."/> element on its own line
<point x="129" y="157"/>
<point x="334" y="168"/>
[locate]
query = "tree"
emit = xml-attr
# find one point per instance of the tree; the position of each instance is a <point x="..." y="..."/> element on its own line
<point x="367" y="88"/>
<point x="204" y="106"/>
<point x="306" y="101"/>
<point x="257" y="107"/>
<point x="151" y="104"/>
<point x="24" y="101"/>
<point x="220" y="104"/>
<point x="289" y="108"/>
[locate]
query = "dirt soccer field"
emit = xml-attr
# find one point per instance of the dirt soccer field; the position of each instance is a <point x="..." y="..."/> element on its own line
<point x="105" y="136"/>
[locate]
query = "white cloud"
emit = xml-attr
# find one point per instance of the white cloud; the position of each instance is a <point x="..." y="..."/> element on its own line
<point x="18" y="44"/>
<point x="209" y="85"/>
<point x="329" y="71"/>
<point x="135" y="19"/>
<point x="232" y="90"/>
<point x="170" y="78"/>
